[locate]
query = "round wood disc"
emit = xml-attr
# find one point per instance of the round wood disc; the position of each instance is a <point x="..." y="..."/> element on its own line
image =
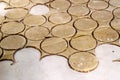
<point x="102" y="15"/>
<point x="36" y="33"/>
<point x="63" y="31"/>
<point x="83" y="61"/>
<point x="116" y="12"/>
<point x="17" y="13"/>
<point x="79" y="1"/>
<point x="106" y="34"/>
<point x="115" y="23"/>
<point x="79" y="10"/>
<point x="12" y="27"/>
<point x="98" y="4"/>
<point x="19" y="3"/>
<point x="60" y="18"/>
<point x="34" y="20"/>
<point x="115" y="3"/>
<point x="85" y="24"/>
<point x="57" y="4"/>
<point x="54" y="45"/>
<point x="83" y="43"/>
<point x="40" y="1"/>
<point x="13" y="42"/>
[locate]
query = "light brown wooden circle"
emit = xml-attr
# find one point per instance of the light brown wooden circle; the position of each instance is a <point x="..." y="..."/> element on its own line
<point x="40" y="1"/>
<point x="102" y="15"/>
<point x="106" y="34"/>
<point x="83" y="43"/>
<point x="37" y="33"/>
<point x="34" y="20"/>
<point x="63" y="31"/>
<point x="97" y="4"/>
<point x="115" y="23"/>
<point x="17" y="13"/>
<point x="79" y="1"/>
<point x="83" y="61"/>
<point x="116" y="12"/>
<point x="19" y="3"/>
<point x="13" y="42"/>
<point x="58" y="5"/>
<point x="115" y="3"/>
<point x="60" y="18"/>
<point x="85" y="24"/>
<point x="12" y="27"/>
<point x="54" y="45"/>
<point x="2" y="19"/>
<point x="79" y="10"/>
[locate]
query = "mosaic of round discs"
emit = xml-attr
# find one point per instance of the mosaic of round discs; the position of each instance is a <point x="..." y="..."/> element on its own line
<point x="83" y="61"/>
<point x="68" y="28"/>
